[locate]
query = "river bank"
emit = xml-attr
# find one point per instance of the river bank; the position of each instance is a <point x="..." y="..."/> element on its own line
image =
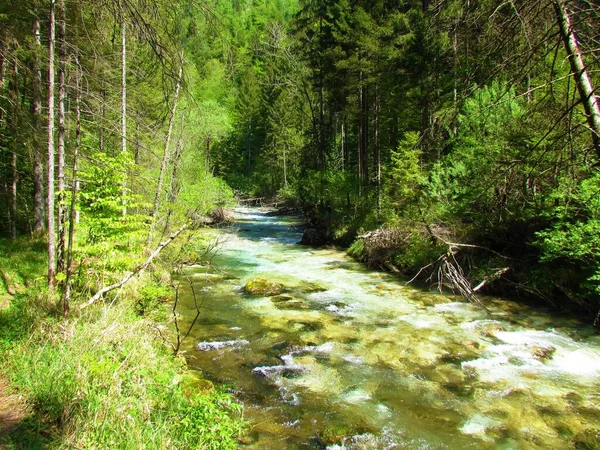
<point x="104" y="378"/>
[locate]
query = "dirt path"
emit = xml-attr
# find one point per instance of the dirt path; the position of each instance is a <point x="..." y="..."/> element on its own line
<point x="12" y="411"/>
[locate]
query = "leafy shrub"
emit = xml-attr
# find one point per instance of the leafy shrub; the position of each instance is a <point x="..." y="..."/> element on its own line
<point x="150" y="297"/>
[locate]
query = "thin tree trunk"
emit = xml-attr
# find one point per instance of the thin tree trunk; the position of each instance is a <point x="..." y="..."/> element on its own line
<point x="285" y="179"/>
<point x="343" y="144"/>
<point x="582" y="77"/>
<point x="50" y="194"/>
<point x="136" y="157"/>
<point x="124" y="104"/>
<point x="13" y="196"/>
<point x="207" y="162"/>
<point x="174" y="189"/>
<point x="361" y="162"/>
<point x="62" y="210"/>
<point x="166" y="155"/>
<point x="38" y="166"/>
<point x="101" y="123"/>
<point x="249" y="149"/>
<point x="378" y="148"/>
<point x="74" y="190"/>
<point x="14" y="124"/>
<point x="3" y="51"/>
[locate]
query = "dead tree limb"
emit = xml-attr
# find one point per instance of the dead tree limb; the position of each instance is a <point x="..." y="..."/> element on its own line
<point x="9" y="288"/>
<point x="491" y="277"/>
<point x="135" y="271"/>
<point x="450" y="273"/>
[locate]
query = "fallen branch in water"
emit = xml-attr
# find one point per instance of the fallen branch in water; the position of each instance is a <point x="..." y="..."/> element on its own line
<point x="450" y="273"/>
<point x="135" y="271"/>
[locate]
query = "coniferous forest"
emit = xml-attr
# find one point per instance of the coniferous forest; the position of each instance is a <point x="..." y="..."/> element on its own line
<point x="451" y="141"/>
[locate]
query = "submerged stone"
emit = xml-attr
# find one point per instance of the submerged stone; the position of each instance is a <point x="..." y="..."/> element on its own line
<point x="260" y="286"/>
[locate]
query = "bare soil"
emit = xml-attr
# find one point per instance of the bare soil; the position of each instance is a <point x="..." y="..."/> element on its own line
<point x="12" y="411"/>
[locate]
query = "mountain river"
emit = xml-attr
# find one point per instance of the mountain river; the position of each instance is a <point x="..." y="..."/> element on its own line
<point x="350" y="358"/>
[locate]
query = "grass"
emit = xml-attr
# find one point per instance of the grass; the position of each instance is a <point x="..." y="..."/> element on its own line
<point x="101" y="379"/>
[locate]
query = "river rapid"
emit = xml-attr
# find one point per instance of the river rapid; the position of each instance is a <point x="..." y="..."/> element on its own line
<point x="350" y="358"/>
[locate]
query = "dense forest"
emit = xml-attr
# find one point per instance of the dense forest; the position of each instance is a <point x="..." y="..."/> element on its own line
<point x="466" y="122"/>
<point x="452" y="140"/>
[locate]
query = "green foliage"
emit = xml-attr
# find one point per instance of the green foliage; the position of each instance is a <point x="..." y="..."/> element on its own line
<point x="405" y="177"/>
<point x="356" y="249"/>
<point x="151" y="296"/>
<point x="477" y="176"/>
<point x="214" y="408"/>
<point x="108" y="366"/>
<point x="574" y="237"/>
<point x="204" y="193"/>
<point x="105" y="195"/>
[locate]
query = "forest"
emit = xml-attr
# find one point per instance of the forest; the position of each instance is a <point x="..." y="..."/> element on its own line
<point x="451" y="141"/>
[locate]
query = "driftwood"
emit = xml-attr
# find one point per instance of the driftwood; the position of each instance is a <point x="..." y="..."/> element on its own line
<point x="135" y="271"/>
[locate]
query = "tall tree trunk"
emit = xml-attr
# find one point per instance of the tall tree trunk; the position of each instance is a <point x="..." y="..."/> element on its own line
<point x="50" y="191"/>
<point x="13" y="196"/>
<point x="207" y="155"/>
<point x="74" y="190"/>
<point x="38" y="165"/>
<point x="62" y="210"/>
<point x="136" y="157"/>
<point x="249" y="149"/>
<point x="363" y="134"/>
<point x="3" y="51"/>
<point x="166" y="155"/>
<point x="361" y="162"/>
<point x="582" y="77"/>
<point x="174" y="188"/>
<point x="378" y="148"/>
<point x="102" y="120"/>
<point x="124" y="103"/>
<point x="13" y="124"/>
<point x="285" y="178"/>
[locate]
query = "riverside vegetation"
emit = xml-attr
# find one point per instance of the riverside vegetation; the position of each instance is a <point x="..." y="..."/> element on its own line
<point x="454" y="141"/>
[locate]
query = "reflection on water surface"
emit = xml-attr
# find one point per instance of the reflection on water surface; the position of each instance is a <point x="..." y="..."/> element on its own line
<point x="348" y="358"/>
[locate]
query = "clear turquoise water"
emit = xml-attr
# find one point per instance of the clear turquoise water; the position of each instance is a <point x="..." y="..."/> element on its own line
<point x="349" y="358"/>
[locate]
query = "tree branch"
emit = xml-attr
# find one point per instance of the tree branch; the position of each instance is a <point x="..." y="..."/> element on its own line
<point x="135" y="271"/>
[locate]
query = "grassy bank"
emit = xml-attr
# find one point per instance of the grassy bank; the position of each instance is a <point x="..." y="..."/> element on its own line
<point x="103" y="378"/>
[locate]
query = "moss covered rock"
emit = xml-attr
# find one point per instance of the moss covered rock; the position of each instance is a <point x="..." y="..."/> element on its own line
<point x="260" y="286"/>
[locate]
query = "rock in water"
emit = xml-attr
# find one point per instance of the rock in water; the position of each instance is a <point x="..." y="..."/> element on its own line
<point x="260" y="286"/>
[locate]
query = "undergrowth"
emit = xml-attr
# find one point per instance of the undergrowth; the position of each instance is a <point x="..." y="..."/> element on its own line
<point x="102" y="379"/>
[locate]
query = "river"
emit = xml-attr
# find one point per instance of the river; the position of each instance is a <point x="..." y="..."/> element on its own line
<point x="350" y="358"/>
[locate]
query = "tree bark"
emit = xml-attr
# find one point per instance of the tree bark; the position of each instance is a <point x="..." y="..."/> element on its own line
<point x="174" y="188"/>
<point x="165" y="159"/>
<point x="378" y="147"/>
<point x="38" y="166"/>
<point x="50" y="191"/>
<point x="13" y="196"/>
<point x="124" y="103"/>
<point x="580" y="73"/>
<point x="14" y="124"/>
<point x="74" y="190"/>
<point x="62" y="210"/>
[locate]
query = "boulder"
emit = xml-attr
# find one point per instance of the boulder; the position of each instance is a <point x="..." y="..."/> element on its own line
<point x="260" y="286"/>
